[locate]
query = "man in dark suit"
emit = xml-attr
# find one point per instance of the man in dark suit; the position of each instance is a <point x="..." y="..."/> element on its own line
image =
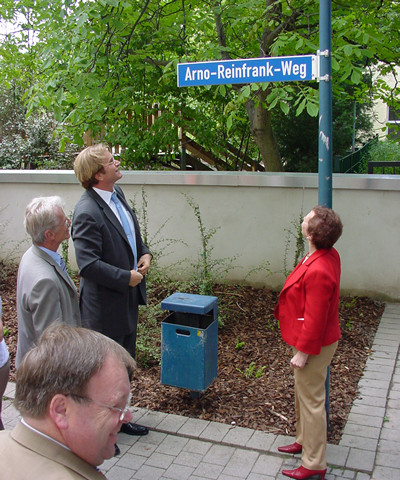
<point x="110" y="253"/>
<point x="73" y="393"/>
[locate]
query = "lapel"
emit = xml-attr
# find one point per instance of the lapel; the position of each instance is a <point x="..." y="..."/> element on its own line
<point x="108" y="213"/>
<point x="302" y="268"/>
<point x="44" y="256"/>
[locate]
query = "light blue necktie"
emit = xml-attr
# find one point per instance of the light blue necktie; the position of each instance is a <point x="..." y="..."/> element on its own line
<point x="126" y="227"/>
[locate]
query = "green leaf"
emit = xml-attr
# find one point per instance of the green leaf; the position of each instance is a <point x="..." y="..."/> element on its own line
<point x="60" y="95"/>
<point x="299" y="44"/>
<point x="301" y="107"/>
<point x="82" y="19"/>
<point x="273" y="103"/>
<point x="312" y="109"/>
<point x="348" y="50"/>
<point x="284" y="107"/>
<point x="229" y="122"/>
<point x="246" y="91"/>
<point x="57" y="113"/>
<point x="356" y="76"/>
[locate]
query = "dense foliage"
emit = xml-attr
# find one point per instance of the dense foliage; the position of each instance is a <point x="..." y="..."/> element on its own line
<point x="30" y="142"/>
<point x="108" y="67"/>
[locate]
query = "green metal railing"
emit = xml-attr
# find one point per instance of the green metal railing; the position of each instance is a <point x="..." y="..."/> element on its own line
<point x="354" y="161"/>
<point x="386" y="168"/>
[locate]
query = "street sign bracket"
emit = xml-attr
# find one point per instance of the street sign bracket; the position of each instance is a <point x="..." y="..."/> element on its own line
<point x="324" y="53"/>
<point x="322" y="78"/>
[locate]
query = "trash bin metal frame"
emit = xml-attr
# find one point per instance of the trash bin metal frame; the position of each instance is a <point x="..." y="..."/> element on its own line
<point x="189" y="341"/>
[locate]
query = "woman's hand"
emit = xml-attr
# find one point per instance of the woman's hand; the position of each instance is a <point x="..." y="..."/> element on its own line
<point x="299" y="360"/>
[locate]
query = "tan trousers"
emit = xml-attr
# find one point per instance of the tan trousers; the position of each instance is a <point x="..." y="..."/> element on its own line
<point x="311" y="428"/>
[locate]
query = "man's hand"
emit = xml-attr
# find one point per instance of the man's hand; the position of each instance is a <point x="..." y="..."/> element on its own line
<point x="144" y="263"/>
<point x="136" y="278"/>
<point x="299" y="360"/>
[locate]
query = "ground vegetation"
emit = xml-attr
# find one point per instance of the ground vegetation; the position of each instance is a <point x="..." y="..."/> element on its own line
<point x="254" y="386"/>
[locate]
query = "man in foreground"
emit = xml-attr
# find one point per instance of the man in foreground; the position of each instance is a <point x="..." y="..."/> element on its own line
<point x="73" y="392"/>
<point x="110" y="254"/>
<point x="45" y="291"/>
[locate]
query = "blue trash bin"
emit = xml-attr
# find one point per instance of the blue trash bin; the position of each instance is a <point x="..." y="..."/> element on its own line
<point x="189" y="341"/>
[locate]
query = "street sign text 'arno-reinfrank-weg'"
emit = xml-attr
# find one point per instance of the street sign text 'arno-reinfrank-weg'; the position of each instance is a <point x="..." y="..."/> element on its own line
<point x="267" y="69"/>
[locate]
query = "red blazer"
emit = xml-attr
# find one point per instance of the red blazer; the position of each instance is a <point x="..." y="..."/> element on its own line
<point x="308" y="306"/>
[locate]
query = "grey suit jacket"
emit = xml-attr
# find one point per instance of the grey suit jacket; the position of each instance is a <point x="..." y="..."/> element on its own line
<point x="26" y="454"/>
<point x="45" y="293"/>
<point x="108" y="304"/>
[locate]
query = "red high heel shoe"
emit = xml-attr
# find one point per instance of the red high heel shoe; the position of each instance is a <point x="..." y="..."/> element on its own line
<point x="292" y="448"/>
<point x="302" y="473"/>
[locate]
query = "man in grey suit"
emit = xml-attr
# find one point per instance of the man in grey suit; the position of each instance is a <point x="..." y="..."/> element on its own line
<point x="45" y="291"/>
<point x="73" y="393"/>
<point x="110" y="253"/>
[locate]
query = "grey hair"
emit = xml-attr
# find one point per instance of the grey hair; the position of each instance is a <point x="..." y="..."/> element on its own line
<point x="41" y="215"/>
<point x="63" y="362"/>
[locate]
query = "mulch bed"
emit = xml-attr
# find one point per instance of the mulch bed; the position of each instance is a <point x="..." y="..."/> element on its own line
<point x="250" y="341"/>
<point x="254" y="386"/>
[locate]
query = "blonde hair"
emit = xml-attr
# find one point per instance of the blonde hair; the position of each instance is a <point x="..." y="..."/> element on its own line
<point x="89" y="162"/>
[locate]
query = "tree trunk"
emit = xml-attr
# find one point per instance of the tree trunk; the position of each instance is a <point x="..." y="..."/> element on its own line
<point x="261" y="129"/>
<point x="259" y="116"/>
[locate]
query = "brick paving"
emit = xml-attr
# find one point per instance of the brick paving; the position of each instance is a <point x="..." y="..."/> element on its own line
<point x="183" y="448"/>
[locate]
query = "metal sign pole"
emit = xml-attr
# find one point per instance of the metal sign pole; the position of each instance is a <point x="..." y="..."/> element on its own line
<point x="325" y="106"/>
<point x="325" y="128"/>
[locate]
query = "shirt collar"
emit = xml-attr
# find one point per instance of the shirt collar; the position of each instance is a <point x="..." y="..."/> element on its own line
<point x="54" y="255"/>
<point x="104" y="194"/>
<point x="44" y="435"/>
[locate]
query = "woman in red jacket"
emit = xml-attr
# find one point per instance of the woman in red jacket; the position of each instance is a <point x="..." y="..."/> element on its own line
<point x="308" y="314"/>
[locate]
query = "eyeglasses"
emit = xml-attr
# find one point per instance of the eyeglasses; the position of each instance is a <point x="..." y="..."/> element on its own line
<point x="122" y="411"/>
<point x="66" y="222"/>
<point x="113" y="161"/>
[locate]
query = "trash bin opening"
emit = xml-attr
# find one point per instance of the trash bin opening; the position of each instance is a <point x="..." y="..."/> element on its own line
<point x="193" y="320"/>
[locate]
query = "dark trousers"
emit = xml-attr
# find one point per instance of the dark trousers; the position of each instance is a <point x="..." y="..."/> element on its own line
<point x="4" y="373"/>
<point x="128" y="342"/>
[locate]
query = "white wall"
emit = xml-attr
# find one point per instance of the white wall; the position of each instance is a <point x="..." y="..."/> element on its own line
<point x="252" y="213"/>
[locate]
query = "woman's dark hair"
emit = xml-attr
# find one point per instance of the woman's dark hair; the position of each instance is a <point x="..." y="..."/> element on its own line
<point x="325" y="227"/>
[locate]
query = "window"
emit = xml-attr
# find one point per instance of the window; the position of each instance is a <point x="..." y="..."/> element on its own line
<point x="393" y="124"/>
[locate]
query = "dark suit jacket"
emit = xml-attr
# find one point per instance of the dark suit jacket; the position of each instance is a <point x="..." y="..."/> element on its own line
<point x="308" y="306"/>
<point x="104" y="257"/>
<point x="26" y="454"/>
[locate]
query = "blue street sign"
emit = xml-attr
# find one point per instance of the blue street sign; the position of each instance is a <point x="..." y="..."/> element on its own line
<point x="250" y="70"/>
